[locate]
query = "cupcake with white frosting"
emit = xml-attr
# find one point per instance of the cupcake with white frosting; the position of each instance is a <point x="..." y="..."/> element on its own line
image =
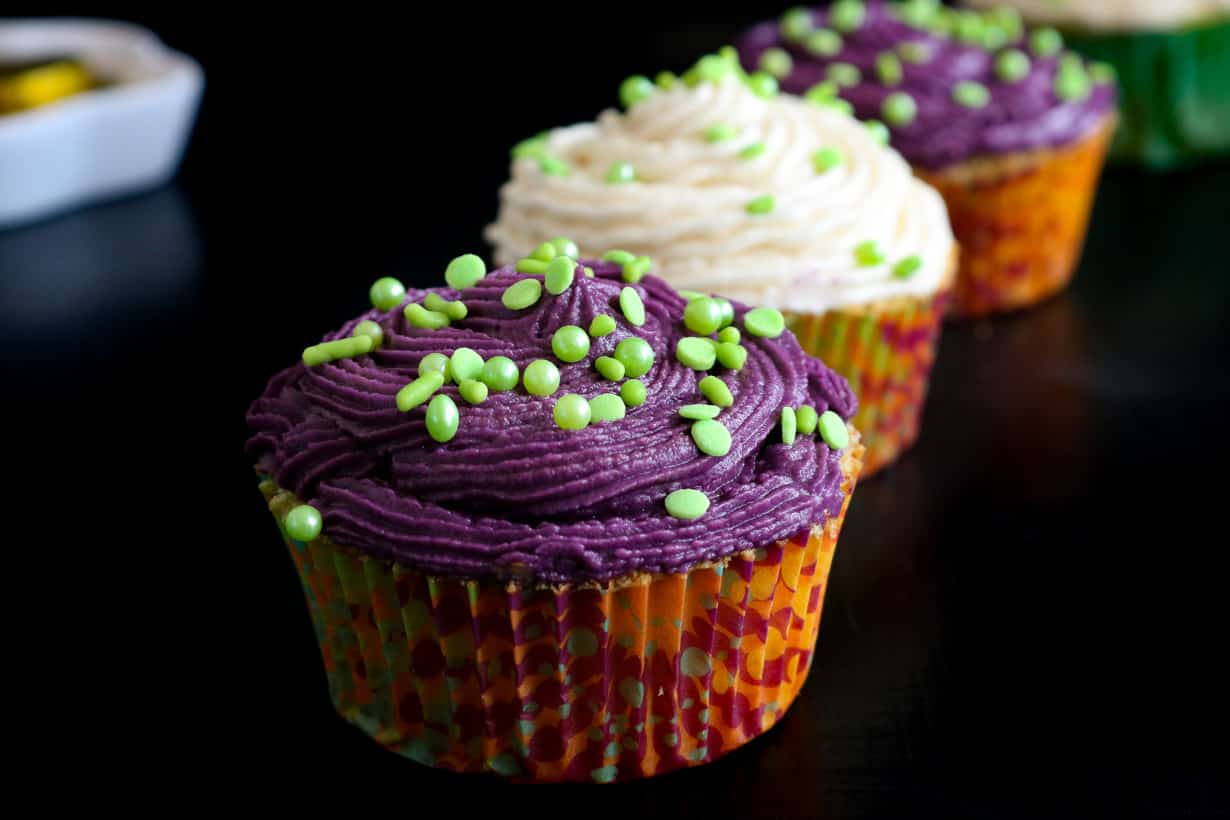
<point x="720" y="186"/>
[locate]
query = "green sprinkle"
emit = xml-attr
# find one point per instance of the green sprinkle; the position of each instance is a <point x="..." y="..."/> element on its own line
<point x="711" y="437"/>
<point x="572" y="412"/>
<point x="689" y="295"/>
<point x="716" y="391"/>
<point x="823" y="42"/>
<point x="611" y="369"/>
<point x="1102" y="73"/>
<point x="869" y="253"/>
<point x="635" y="270"/>
<point x="606" y="407"/>
<point x="806" y="419"/>
<point x="971" y="94"/>
<point x="730" y="335"/>
<point x="1045" y="41"/>
<point x="632" y="392"/>
<point x="618" y="257"/>
<point x="436" y="363"/>
<point x="826" y="159"/>
<point x="560" y="272"/>
<point x="632" y="307"/>
<point x="453" y="310"/>
<point x="570" y="344"/>
<point x="565" y="247"/>
<point x="1072" y="83"/>
<point x="841" y="106"/>
<point x="776" y="61"/>
<point x="500" y="373"/>
<point x="764" y="321"/>
<point x="635" y="89"/>
<point x="588" y="271"/>
<point x="442" y="418"/>
<point x="823" y="93"/>
<point x="544" y="252"/>
<point x="370" y="329"/>
<point x="703" y="316"/>
<point x="620" y="172"/>
<point x="665" y="80"/>
<point x="833" y="430"/>
<point x="907" y="267"/>
<point x="418" y="391"/>
<point x="1012" y="65"/>
<point x="553" y="166"/>
<point x="796" y="23"/>
<point x="761" y="205"/>
<point x="721" y="132"/>
<point x="386" y="293"/>
<point x="473" y="391"/>
<point x="790" y="426"/>
<point x="878" y="131"/>
<point x="695" y="352"/>
<point x="465" y="271"/>
<point x="699" y="411"/>
<point x="731" y="355"/>
<point x="915" y="52"/>
<point x="899" y="109"/>
<point x="917" y="13"/>
<point x="969" y="26"/>
<point x="847" y="15"/>
<point x="687" y="504"/>
<point x="302" y="523"/>
<point x="888" y="68"/>
<point x="541" y="377"/>
<point x="844" y="74"/>
<point x="635" y="355"/>
<point x="523" y="294"/>
<point x="530" y="148"/>
<point x="728" y="311"/>
<point x="601" y="325"/>
<point x="762" y="84"/>
<point x="751" y="151"/>
<point x="419" y="316"/>
<point x="531" y="265"/>
<point x="710" y="68"/>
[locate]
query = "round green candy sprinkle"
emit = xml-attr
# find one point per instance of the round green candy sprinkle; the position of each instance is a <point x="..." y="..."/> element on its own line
<point x="530" y="148"/>
<point x="776" y="61"/>
<point x="531" y="265"/>
<point x="436" y="363"/>
<point x="588" y="271"/>
<point x="386" y="293"/>
<point x="611" y="369"/>
<point x="689" y="295"/>
<point x="618" y="257"/>
<point x="731" y="355"/>
<point x="635" y="270"/>
<point x="453" y="310"/>
<point x="822" y="93"/>
<point x="751" y="151"/>
<point x="971" y="94"/>
<point x="1102" y="73"/>
<point x="632" y="307"/>
<point x="442" y="418"/>
<point x="695" y="352"/>
<point x="635" y="89"/>
<point x="716" y="391"/>
<point x="606" y="407"/>
<point x="888" y="68"/>
<point x="806" y="417"/>
<point x="729" y="335"/>
<point x="1012" y="65"/>
<point x="868" y="253"/>
<point x="665" y="80"/>
<point x="687" y="504"/>
<point x="419" y="390"/>
<point x="728" y="311"/>
<point x="710" y="68"/>
<point x="632" y="392"/>
<point x="878" y="131"/>
<point x="544" y="252"/>
<point x="370" y="329"/>
<point x="553" y="166"/>
<point x="969" y="26"/>
<point x="833" y="430"/>
<point x="699" y="411"/>
<point x="541" y="377"/>
<point x="907" y="267"/>
<point x="917" y="13"/>
<point x="601" y="325"/>
<point x="570" y="344"/>
<point x="465" y="271"/>
<point x="764" y="321"/>
<point x="796" y="23"/>
<point x="720" y="132"/>
<point x="636" y="355"/>
<point x="620" y="172"/>
<point x="419" y="316"/>
<point x="847" y="15"/>
<point x="790" y="426"/>
<point x="565" y="247"/>
<point x="823" y="42"/>
<point x="473" y="391"/>
<point x="761" y="205"/>
<point x="711" y="437"/>
<point x="899" y="109"/>
<point x="1045" y="41"/>
<point x="844" y="74"/>
<point x="500" y="373"/>
<point x="914" y="52"/>
<point x="1072" y="83"/>
<point x="826" y="159"/>
<point x="844" y="107"/>
<point x="572" y="412"/>
<point x="560" y="272"/>
<point x="302" y="523"/>
<point x="703" y="316"/>
<point x="762" y="84"/>
<point x="465" y="363"/>
<point x="523" y="294"/>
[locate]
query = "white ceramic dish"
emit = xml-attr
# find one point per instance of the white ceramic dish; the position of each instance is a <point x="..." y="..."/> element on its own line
<point x="124" y="137"/>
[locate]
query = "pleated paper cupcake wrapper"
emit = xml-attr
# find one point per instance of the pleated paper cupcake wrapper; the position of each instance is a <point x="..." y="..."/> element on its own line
<point x="886" y="352"/>
<point x="1174" y="91"/>
<point x="1020" y="220"/>
<point x="638" y="677"/>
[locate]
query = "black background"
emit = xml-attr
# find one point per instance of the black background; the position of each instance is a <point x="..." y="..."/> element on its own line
<point x="1027" y="616"/>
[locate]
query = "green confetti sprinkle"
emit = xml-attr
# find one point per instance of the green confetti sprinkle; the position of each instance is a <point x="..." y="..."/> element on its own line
<point x="1072" y="82"/>
<point x="418" y="391"/>
<point x="687" y="505"/>
<point x="907" y="267"/>
<point x="570" y="343"/>
<point x="665" y="80"/>
<point x="699" y="411"/>
<point x="633" y="393"/>
<point x="833" y="430"/>
<point x="370" y="329"/>
<point x="915" y="52"/>
<point x="971" y="94"/>
<point x="730" y="335"/>
<point x="611" y="369"/>
<point x="762" y="84"/>
<point x="720" y="132"/>
<point x="620" y="172"/>
<point x="1045" y="41"/>
<point x="442" y="419"/>
<point x="500" y="373"/>
<point x="465" y="271"/>
<point x="635" y="270"/>
<point x="521" y="295"/>
<point x="776" y="61"/>
<point x="553" y="166"/>
<point x="601" y="325"/>
<point x="565" y="247"/>
<point x="751" y="151"/>
<point x="823" y="93"/>
<point x="606" y="407"/>
<point x="560" y="273"/>
<point x="899" y="109"/>
<point x="878" y="131"/>
<point x="889" y="69"/>
<point x="806" y="418"/>
<point x="844" y="74"/>
<point x="337" y="349"/>
<point x="761" y="205"/>
<point x="465" y="363"/>
<point x="731" y="355"/>
<point x="823" y="42"/>
<point x="790" y="426"/>
<point x="703" y="316"/>
<point x="869" y="253"/>
<point x="455" y="311"/>
<point x="571" y="412"/>
<point x="302" y="523"/>
<point x="635" y="89"/>
<point x="544" y="252"/>
<point x="695" y="352"/>
<point x="419" y="316"/>
<point x="473" y="391"/>
<point x="530" y="148"/>
<point x="618" y="257"/>
<point x="635" y="355"/>
<point x="1102" y="73"/>
<point x="711" y="437"/>
<point x="728" y="310"/>
<point x="764" y="321"/>
<point x="826" y="159"/>
<point x="386" y="293"/>
<point x="531" y="266"/>
<point x="436" y="363"/>
<point x="847" y="15"/>
<point x="1012" y="65"/>
<point x="541" y="377"/>
<point x="796" y="23"/>
<point x="631" y="306"/>
<point x="716" y="391"/>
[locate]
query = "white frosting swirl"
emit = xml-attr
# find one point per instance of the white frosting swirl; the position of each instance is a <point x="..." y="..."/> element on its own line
<point x="688" y="208"/>
<point x="1115" y="15"/>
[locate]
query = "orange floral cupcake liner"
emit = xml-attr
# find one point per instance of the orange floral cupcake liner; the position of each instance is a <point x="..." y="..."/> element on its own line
<point x="636" y="677"/>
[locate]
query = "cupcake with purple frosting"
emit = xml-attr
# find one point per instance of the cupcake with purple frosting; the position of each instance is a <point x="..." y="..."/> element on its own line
<point x="555" y="525"/>
<point x="1011" y="128"/>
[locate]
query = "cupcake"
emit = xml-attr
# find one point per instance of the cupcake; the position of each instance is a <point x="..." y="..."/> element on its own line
<point x="555" y="526"/>
<point x="1172" y="58"/>
<point x="720" y="186"/>
<point x="1008" y="126"/>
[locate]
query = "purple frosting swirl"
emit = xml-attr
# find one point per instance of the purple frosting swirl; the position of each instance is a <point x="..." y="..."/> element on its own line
<point x="1021" y="115"/>
<point x="512" y="495"/>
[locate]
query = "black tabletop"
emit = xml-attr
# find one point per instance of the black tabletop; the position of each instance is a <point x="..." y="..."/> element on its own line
<point x="1026" y="616"/>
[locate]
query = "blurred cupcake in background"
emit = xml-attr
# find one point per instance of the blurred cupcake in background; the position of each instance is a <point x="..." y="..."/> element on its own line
<point x="1011" y="128"/>
<point x="1173" y="63"/>
<point x="721" y="186"/>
